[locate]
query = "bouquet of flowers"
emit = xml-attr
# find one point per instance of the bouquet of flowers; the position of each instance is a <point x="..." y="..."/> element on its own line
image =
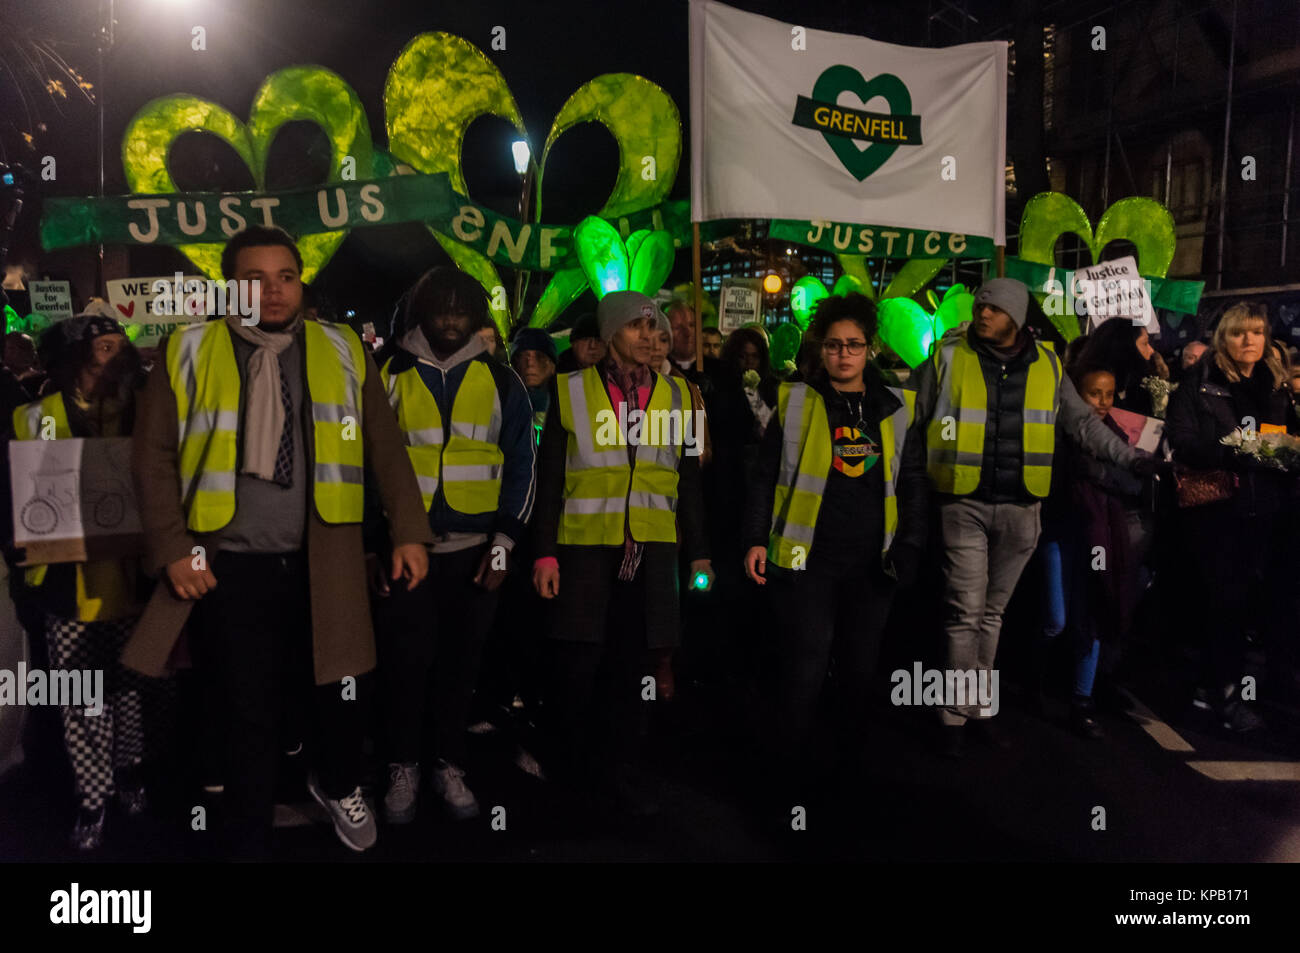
<point x="1276" y="449"/>
<point x="1159" y="388"/>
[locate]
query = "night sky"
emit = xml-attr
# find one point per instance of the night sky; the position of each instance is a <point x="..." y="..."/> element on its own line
<point x="552" y="49"/>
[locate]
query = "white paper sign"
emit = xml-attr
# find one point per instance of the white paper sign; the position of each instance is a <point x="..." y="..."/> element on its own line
<point x="1114" y="289"/>
<point x="742" y="303"/>
<point x="52" y="299"/>
<point x="134" y="300"/>
<point x="72" y="489"/>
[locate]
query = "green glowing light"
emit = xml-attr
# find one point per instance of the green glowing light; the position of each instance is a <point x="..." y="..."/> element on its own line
<point x="804" y="295"/>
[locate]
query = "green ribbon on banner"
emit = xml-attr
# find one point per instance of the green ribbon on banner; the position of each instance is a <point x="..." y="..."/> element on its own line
<point x="197" y="217"/>
<point x="1166" y="293"/>
<point x="880" y="241"/>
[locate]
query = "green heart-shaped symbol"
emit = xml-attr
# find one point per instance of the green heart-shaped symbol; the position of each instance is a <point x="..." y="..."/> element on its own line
<point x="440" y="83"/>
<point x="309" y="93"/>
<point x="1144" y="222"/>
<point x="841" y="79"/>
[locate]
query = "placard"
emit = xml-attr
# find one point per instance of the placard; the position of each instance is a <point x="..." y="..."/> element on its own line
<point x="52" y="299"/>
<point x="73" y="499"/>
<point x="742" y="303"/>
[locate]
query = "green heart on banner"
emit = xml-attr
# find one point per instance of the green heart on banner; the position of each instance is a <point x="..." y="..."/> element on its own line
<point x="845" y="79"/>
<point x="441" y="83"/>
<point x="309" y="93"/>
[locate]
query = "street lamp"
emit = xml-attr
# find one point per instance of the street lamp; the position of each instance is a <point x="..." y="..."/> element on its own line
<point x="519" y="149"/>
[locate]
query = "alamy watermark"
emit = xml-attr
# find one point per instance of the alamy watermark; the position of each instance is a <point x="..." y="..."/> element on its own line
<point x="946" y="688"/>
<point x="650" y="428"/>
<point x="197" y="297"/>
<point x="63" y="687"/>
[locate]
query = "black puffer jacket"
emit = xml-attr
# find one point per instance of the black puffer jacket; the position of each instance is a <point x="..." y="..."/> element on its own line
<point x="1002" y="471"/>
<point x="1207" y="407"/>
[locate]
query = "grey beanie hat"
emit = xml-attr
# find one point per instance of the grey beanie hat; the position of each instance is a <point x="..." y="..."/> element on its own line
<point x="621" y="307"/>
<point x="1006" y="294"/>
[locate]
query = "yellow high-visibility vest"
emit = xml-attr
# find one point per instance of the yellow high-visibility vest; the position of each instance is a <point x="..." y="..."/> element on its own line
<point x="806" y="460"/>
<point x="205" y="379"/>
<point x="601" y="489"/>
<point x="955" y="434"/>
<point x="469" y="462"/>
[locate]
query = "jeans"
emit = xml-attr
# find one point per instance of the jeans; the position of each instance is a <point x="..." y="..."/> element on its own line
<point x="986" y="547"/>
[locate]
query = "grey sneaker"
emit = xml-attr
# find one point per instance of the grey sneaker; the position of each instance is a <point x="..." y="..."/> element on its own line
<point x="449" y="782"/>
<point x="353" y="820"/>
<point x="403" y="792"/>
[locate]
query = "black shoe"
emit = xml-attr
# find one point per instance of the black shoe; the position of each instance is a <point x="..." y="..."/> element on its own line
<point x="1083" y="722"/>
<point x="88" y="832"/>
<point x="990" y="732"/>
<point x="953" y="742"/>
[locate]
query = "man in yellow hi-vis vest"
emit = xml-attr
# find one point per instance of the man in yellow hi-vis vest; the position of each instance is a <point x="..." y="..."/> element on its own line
<point x="468" y="427"/>
<point x="618" y="493"/>
<point x="993" y="400"/>
<point x="248" y="460"/>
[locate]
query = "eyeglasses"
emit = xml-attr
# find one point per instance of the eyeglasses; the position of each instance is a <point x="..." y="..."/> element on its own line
<point x="852" y="348"/>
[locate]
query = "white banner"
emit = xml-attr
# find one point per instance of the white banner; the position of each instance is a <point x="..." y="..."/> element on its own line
<point x="793" y="123"/>
<point x="134" y="300"/>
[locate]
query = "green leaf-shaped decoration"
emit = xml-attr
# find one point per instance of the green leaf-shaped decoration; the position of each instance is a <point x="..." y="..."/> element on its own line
<point x="646" y="126"/>
<point x="437" y="86"/>
<point x="1144" y="222"/>
<point x="310" y="93"/>
<point x="602" y="255"/>
<point x="563" y="289"/>
<point x="644" y="122"/>
<point x="652" y="260"/>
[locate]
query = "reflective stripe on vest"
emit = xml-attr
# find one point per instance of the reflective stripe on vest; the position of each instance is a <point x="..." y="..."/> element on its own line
<point x="806" y="460"/>
<point x="29" y="424"/>
<point x="955" y="435"/>
<point x="468" y="462"/>
<point x="601" y="489"/>
<point x="205" y="380"/>
<point x="29" y="419"/>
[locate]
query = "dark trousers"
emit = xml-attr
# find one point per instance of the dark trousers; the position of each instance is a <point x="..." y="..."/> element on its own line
<point x="828" y="615"/>
<point x="252" y="645"/>
<point x="430" y="643"/>
<point x="595" y="711"/>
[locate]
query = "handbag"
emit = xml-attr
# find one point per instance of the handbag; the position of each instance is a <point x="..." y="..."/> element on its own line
<point x="1199" y="487"/>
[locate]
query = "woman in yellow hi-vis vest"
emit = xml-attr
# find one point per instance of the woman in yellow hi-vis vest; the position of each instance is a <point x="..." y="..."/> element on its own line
<point x="835" y="521"/>
<point x="89" y="607"/>
<point x="618" y="476"/>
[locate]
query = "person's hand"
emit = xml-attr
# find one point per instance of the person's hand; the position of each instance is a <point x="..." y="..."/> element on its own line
<point x="756" y="564"/>
<point x="546" y="579"/>
<point x="702" y="567"/>
<point x="410" y="562"/>
<point x="188" y="582"/>
<point x="905" y="560"/>
<point x="375" y="575"/>
<point x="1148" y="464"/>
<point x="489" y="577"/>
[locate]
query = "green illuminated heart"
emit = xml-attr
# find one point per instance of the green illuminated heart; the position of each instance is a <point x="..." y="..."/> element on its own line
<point x="309" y="93"/>
<point x="841" y="79"/>
<point x="1144" y="222"/>
<point x="907" y="328"/>
<point x="441" y="83"/>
